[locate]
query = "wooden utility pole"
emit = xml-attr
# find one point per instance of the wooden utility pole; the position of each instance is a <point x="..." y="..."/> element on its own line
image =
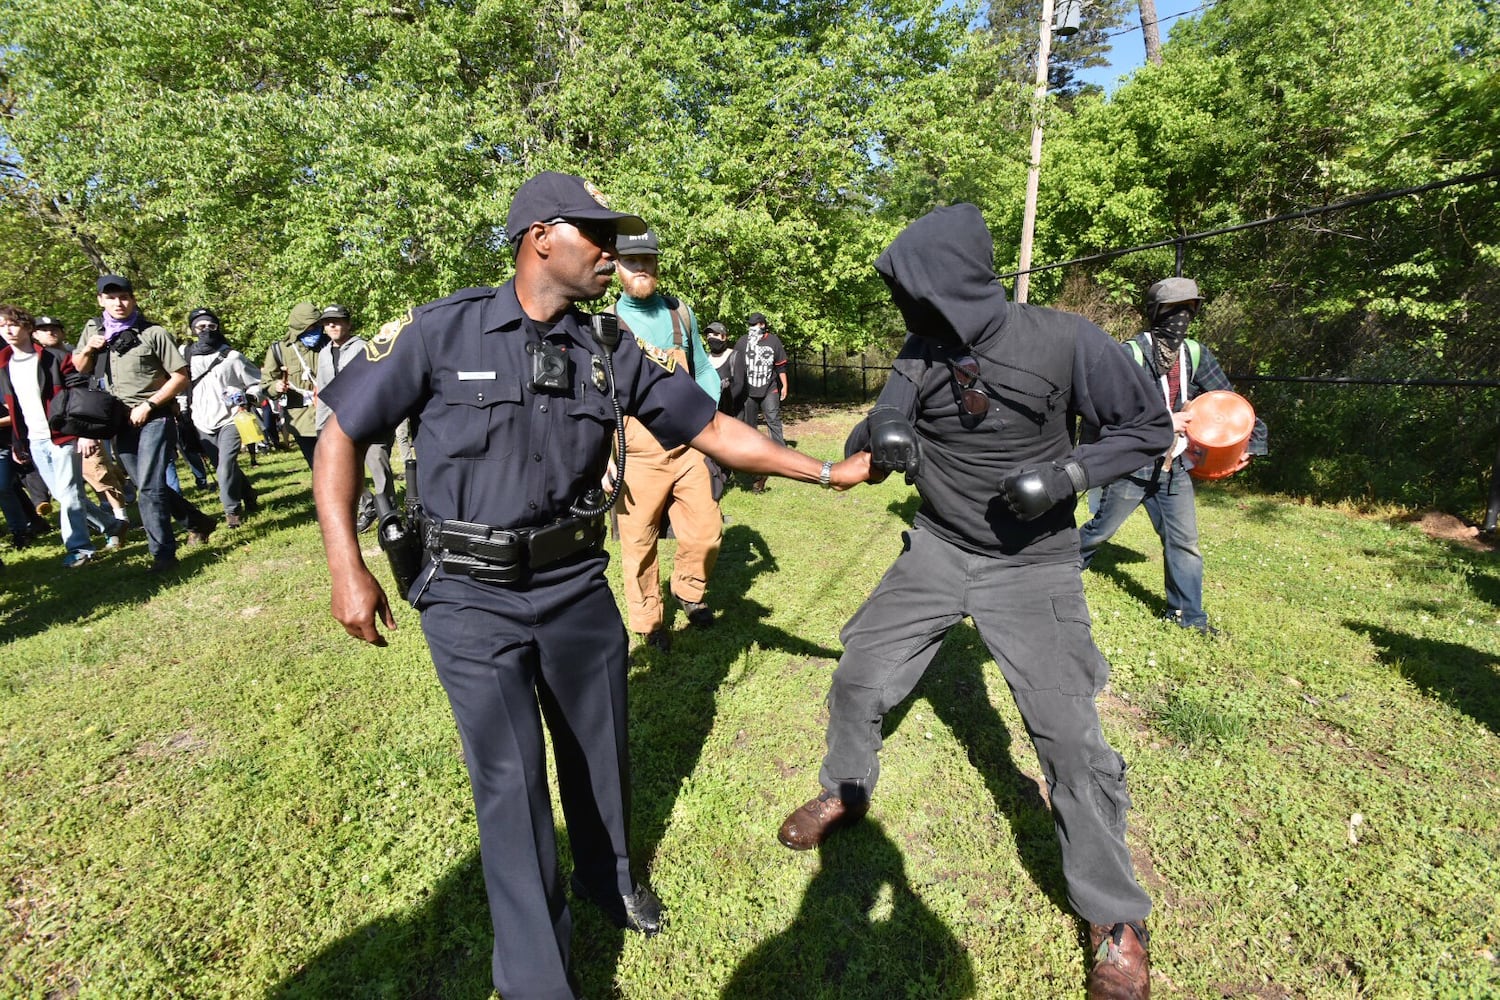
<point x="1150" y="32"/>
<point x="1033" y="176"/>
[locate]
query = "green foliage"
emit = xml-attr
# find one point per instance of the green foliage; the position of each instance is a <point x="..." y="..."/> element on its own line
<point x="341" y="152"/>
<point x="1420" y="447"/>
<point x="1259" y="110"/>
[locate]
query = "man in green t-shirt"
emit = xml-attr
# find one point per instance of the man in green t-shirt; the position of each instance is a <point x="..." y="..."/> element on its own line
<point x="140" y="364"/>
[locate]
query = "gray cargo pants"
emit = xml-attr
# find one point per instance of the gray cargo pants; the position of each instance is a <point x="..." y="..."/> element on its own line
<point x="1035" y="622"/>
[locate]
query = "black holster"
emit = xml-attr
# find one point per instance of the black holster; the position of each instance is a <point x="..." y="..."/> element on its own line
<point x="402" y="544"/>
<point x="502" y="555"/>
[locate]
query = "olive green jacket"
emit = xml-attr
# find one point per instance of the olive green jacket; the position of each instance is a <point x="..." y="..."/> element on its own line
<point x="292" y="370"/>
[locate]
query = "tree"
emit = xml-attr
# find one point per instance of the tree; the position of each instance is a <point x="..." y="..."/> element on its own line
<point x="259" y="154"/>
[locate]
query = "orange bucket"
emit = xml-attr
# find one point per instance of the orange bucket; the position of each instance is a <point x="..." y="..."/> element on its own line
<point x="1219" y="433"/>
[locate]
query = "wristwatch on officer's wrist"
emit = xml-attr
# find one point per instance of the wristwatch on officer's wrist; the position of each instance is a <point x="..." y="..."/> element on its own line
<point x="825" y="477"/>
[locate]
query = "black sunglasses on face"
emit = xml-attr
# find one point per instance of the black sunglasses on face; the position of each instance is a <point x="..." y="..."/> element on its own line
<point x="966" y="374"/>
<point x="601" y="234"/>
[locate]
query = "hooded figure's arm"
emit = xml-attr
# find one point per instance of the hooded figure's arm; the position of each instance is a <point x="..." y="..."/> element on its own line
<point x="1116" y="395"/>
<point x="900" y="394"/>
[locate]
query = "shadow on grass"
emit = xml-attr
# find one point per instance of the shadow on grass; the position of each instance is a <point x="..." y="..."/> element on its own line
<point x="1464" y="677"/>
<point x="673" y="696"/>
<point x="40" y="595"/>
<point x="440" y="950"/>
<point x="1107" y="562"/>
<point x="955" y="687"/>
<point x="1486" y="587"/>
<point x="861" y="932"/>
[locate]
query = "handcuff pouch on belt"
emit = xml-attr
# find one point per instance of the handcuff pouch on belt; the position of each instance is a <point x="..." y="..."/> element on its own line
<point x="502" y="555"/>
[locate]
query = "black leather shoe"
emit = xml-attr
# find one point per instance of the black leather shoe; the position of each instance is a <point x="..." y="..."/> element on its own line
<point x="366" y="519"/>
<point x="659" y="638"/>
<point x="811" y="823"/>
<point x="640" y="911"/>
<point x="698" y="613"/>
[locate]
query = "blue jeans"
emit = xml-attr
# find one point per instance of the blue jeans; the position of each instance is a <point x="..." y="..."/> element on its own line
<point x="145" y="452"/>
<point x="62" y="470"/>
<point x="16" y="518"/>
<point x="1174" y="515"/>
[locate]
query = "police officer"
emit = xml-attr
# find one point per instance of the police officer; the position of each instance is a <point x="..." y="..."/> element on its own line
<point x="514" y="400"/>
<point x="977" y="413"/>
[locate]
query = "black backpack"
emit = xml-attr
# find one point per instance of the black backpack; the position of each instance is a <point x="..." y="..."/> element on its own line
<point x="83" y="411"/>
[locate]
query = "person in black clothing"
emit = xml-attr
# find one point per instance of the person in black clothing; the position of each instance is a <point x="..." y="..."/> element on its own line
<point x="516" y="402"/>
<point x="978" y="414"/>
<point x="730" y="367"/>
<point x="764" y="360"/>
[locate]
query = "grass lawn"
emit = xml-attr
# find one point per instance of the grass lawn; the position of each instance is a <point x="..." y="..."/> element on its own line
<point x="210" y="791"/>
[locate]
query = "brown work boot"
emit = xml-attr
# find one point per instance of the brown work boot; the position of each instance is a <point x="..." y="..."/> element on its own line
<point x="811" y="823"/>
<point x="1121" y="968"/>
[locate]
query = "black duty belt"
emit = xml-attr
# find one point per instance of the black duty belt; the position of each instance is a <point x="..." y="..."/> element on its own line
<point x="504" y="555"/>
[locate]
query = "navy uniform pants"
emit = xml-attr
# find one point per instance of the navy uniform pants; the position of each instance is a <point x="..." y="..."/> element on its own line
<point x="509" y="658"/>
<point x="1035" y="622"/>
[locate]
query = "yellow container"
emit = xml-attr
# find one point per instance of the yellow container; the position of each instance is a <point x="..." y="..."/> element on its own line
<point x="248" y="427"/>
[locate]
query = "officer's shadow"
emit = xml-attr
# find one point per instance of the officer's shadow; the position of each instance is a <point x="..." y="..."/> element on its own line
<point x="861" y="932"/>
<point x="439" y="949"/>
<point x="673" y="696"/>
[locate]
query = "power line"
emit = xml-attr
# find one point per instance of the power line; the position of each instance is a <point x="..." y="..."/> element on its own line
<point x="1172" y="17"/>
<point x="1366" y="199"/>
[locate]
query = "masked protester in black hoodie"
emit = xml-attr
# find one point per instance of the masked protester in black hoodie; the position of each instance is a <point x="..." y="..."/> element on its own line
<point x="979" y="414"/>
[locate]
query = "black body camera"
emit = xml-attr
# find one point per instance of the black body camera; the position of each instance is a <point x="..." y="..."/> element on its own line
<point x="549" y="367"/>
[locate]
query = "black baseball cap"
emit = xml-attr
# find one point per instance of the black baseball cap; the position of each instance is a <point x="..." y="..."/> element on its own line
<point x="637" y="244"/>
<point x="335" y="312"/>
<point x="550" y="195"/>
<point x="107" y="281"/>
<point x="44" y="321"/>
<point x="758" y="319"/>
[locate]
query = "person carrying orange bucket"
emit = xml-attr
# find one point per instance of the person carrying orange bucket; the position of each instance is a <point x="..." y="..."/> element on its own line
<point x="1186" y="371"/>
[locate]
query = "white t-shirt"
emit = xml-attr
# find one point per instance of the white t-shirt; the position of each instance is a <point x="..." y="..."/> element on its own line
<point x="23" y="380"/>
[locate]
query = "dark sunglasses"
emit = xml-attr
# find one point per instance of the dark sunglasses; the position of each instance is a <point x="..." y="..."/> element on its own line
<point x="966" y="374"/>
<point x="601" y="234"/>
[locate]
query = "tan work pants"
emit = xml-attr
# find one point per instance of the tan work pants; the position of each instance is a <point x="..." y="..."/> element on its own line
<point x="653" y="476"/>
<point x="103" y="473"/>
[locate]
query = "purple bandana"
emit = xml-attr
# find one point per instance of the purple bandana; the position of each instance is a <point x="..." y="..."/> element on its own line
<point x="114" y="327"/>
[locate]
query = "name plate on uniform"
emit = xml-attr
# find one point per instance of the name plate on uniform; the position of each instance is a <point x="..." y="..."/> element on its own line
<point x="476" y="376"/>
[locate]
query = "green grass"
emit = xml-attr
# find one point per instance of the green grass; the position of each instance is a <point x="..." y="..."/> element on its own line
<point x="210" y="791"/>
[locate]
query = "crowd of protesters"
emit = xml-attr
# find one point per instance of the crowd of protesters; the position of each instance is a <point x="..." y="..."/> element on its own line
<point x="198" y="398"/>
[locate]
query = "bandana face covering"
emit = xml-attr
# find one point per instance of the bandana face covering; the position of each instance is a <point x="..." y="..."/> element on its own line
<point x="1169" y="332"/>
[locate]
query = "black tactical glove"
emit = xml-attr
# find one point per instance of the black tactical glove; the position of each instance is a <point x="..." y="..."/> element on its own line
<point x="893" y="442"/>
<point x="1036" y="489"/>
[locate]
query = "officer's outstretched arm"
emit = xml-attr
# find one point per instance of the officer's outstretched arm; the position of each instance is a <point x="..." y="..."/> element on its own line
<point x="739" y="446"/>
<point x="357" y="596"/>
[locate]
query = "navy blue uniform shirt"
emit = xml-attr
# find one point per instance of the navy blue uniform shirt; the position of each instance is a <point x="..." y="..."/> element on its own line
<point x="491" y="450"/>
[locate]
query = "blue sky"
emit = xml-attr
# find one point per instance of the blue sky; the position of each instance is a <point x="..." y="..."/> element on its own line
<point x="1128" y="52"/>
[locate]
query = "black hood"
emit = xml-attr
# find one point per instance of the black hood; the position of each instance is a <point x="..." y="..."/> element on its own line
<point x="942" y="276"/>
